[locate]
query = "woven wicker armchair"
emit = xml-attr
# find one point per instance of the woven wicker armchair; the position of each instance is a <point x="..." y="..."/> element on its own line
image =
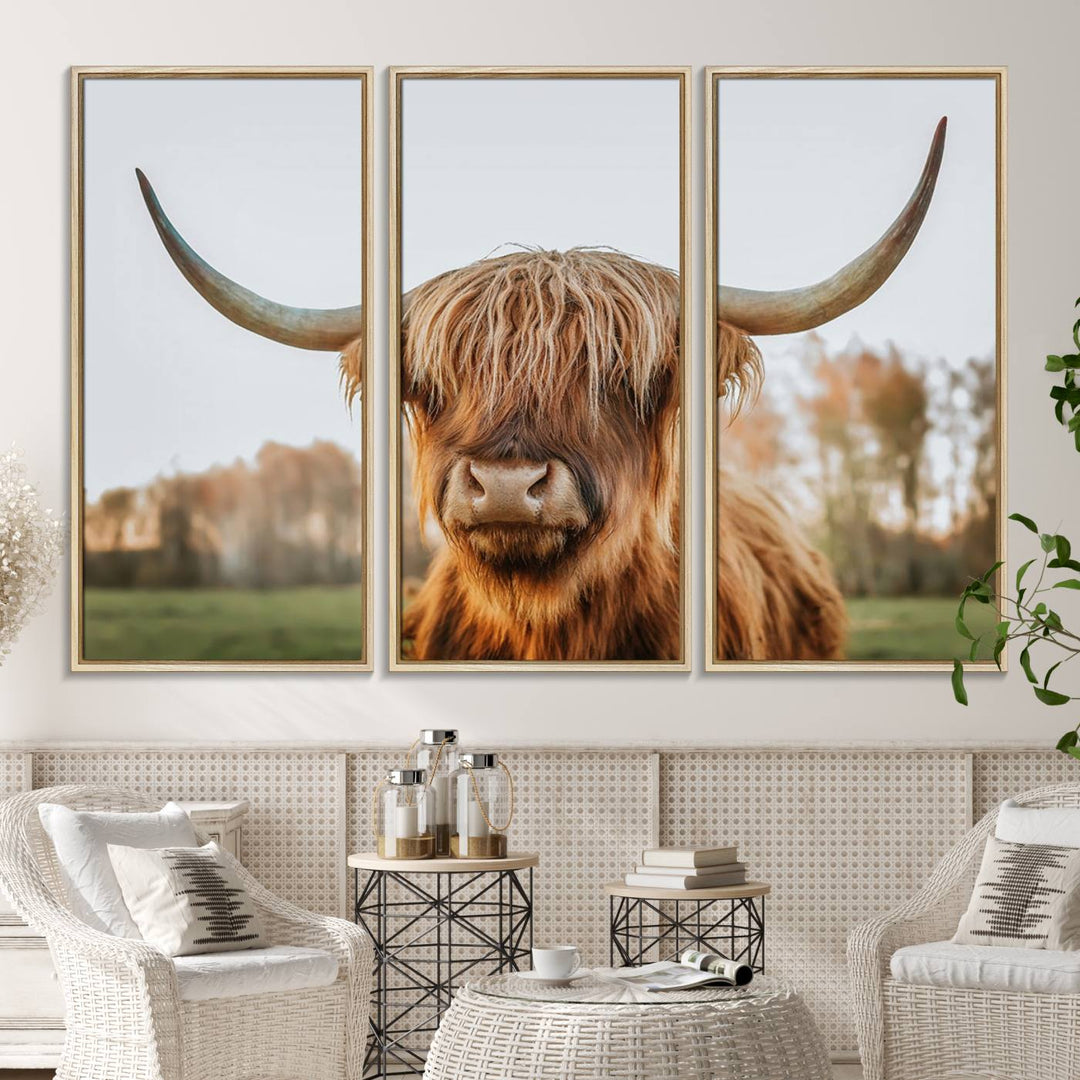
<point x="924" y="1032"/>
<point x="124" y="1016"/>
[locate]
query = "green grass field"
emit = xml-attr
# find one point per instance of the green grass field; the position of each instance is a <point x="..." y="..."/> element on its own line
<point x="326" y="623"/>
<point x="312" y="623"/>
<point x="918" y="628"/>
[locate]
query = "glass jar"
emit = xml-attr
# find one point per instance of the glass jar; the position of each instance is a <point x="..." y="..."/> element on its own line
<point x="403" y="818"/>
<point x="485" y="807"/>
<point x="437" y="754"/>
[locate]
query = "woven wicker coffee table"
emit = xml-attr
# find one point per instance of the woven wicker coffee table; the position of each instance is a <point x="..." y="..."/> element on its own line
<point x="502" y="1027"/>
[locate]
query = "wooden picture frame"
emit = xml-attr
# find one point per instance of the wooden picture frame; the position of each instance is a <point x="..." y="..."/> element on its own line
<point x="318" y="331"/>
<point x="714" y="79"/>
<point x="680" y="660"/>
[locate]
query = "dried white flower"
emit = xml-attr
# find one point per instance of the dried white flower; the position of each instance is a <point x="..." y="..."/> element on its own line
<point x="31" y="544"/>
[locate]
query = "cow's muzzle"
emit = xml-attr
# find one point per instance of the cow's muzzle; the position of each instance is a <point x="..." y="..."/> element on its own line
<point x="513" y="493"/>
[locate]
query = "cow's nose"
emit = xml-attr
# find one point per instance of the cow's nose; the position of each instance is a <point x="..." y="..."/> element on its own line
<point x="497" y="491"/>
<point x="507" y="491"/>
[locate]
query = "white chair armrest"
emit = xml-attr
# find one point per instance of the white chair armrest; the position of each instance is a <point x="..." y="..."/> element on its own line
<point x="930" y="915"/>
<point x="288" y="924"/>
<point x="113" y="984"/>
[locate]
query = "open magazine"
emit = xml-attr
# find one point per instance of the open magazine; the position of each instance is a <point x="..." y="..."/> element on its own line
<point x="693" y="969"/>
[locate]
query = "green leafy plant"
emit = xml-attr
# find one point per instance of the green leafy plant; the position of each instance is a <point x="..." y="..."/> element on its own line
<point x="1026" y="615"/>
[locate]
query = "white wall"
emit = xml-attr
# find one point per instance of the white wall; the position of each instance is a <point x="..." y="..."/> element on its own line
<point x="41" y="700"/>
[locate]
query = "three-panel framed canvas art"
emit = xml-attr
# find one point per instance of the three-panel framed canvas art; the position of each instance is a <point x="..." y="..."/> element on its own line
<point x="221" y="333"/>
<point x="543" y="367"/>
<point x="855" y="372"/>
<point x="540" y="241"/>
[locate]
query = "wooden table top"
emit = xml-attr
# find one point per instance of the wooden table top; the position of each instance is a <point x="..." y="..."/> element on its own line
<point x="721" y="892"/>
<point x="516" y="860"/>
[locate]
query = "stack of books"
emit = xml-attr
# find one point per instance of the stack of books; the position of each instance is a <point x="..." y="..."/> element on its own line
<point x="694" y="867"/>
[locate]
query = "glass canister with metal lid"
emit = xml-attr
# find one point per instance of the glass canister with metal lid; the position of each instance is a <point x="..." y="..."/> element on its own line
<point x="403" y="816"/>
<point x="485" y="807"/>
<point x="437" y="754"/>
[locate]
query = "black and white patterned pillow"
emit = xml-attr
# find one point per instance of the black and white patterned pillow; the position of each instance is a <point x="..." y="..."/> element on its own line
<point x="1026" y="895"/>
<point x="186" y="900"/>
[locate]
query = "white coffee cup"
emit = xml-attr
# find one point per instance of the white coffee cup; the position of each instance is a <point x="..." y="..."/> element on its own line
<point x="556" y="961"/>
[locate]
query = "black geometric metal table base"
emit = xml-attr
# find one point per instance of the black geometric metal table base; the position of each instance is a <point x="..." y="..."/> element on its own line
<point x="644" y="930"/>
<point x="427" y="941"/>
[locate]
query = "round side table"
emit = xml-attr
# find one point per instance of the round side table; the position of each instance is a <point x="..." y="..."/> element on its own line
<point x="729" y="920"/>
<point x="431" y="922"/>
<point x="593" y="1029"/>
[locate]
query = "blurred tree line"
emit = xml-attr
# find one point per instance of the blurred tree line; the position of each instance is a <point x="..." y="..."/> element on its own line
<point x="889" y="462"/>
<point x="292" y="517"/>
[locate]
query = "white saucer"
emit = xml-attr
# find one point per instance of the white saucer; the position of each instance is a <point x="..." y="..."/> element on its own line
<point x="536" y="977"/>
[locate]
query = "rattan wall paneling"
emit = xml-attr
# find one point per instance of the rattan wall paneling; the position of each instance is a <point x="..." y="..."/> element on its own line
<point x="15" y="776"/>
<point x="1000" y="774"/>
<point x="291" y="839"/>
<point x="840" y="835"/>
<point x="15" y="769"/>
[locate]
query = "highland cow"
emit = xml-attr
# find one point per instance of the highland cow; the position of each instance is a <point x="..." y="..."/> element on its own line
<point x="541" y="391"/>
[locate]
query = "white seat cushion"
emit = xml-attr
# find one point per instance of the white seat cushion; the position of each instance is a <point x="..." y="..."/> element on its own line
<point x="253" y="971"/>
<point x="988" y="967"/>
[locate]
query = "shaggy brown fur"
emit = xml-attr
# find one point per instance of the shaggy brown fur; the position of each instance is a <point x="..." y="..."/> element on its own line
<point x="775" y="595"/>
<point x="739" y="370"/>
<point x="535" y="356"/>
<point x="776" y="598"/>
<point x="631" y="614"/>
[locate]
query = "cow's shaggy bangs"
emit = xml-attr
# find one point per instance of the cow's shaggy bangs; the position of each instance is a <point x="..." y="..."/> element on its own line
<point x="524" y="331"/>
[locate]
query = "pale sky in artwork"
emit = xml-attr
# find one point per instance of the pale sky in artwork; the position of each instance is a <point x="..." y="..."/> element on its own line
<point x="263" y="178"/>
<point x="554" y="163"/>
<point x="812" y="171"/>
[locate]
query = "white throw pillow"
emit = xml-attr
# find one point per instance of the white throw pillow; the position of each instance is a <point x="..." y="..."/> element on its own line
<point x="81" y="838"/>
<point x="1025" y="896"/>
<point x="187" y="900"/>
<point x="1057" y="825"/>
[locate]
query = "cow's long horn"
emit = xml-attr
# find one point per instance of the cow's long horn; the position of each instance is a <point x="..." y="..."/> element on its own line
<point x="794" y="310"/>
<point x="324" y="329"/>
